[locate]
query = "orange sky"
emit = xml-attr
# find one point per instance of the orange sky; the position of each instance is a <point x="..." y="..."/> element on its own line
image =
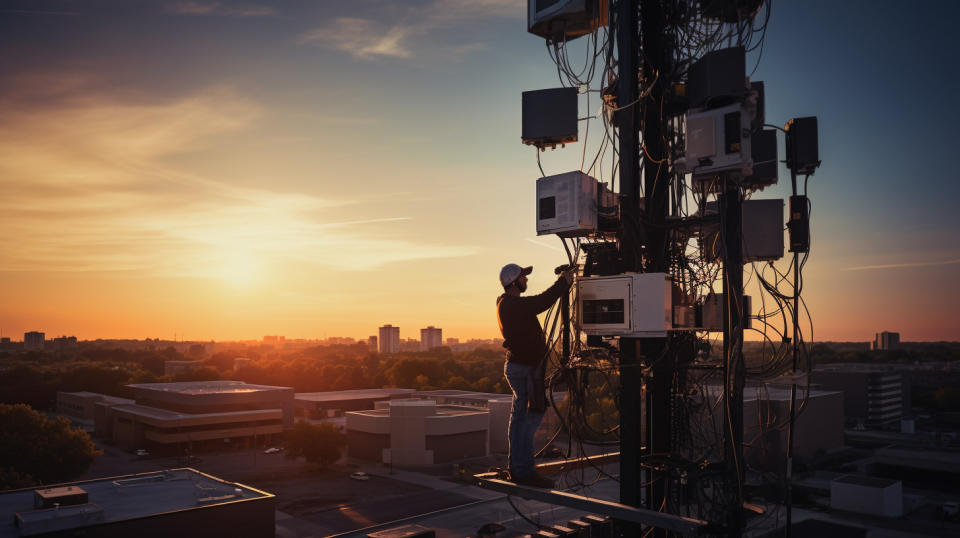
<point x="312" y="170"/>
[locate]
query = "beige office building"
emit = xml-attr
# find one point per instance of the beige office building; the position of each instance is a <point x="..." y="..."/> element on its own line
<point x="417" y="432"/>
<point x="172" y="417"/>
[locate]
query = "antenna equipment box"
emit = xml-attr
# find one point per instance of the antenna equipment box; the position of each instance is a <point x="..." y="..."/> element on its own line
<point x="629" y="304"/>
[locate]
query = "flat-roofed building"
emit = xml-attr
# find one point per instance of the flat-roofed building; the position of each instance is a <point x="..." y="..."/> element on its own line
<point x="138" y="425"/>
<point x="196" y="415"/>
<point x="875" y="396"/>
<point x="867" y="495"/>
<point x="81" y="407"/>
<point x="499" y="406"/>
<point x="417" y="432"/>
<point x="818" y="427"/>
<point x="171" y="368"/>
<point x="321" y="405"/>
<point x="178" y="502"/>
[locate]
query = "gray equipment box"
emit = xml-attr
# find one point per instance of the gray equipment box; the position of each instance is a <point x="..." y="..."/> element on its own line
<point x="763" y="226"/>
<point x="721" y="73"/>
<point x="549" y="117"/>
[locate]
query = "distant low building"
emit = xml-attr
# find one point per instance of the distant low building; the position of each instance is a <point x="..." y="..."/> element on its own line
<point x="176" y="502"/>
<point x="242" y="362"/>
<point x="63" y="343"/>
<point x="274" y="340"/>
<point x="172" y="368"/>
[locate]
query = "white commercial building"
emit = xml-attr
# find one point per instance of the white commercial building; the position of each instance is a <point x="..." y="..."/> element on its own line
<point x="430" y="338"/>
<point x="389" y="339"/>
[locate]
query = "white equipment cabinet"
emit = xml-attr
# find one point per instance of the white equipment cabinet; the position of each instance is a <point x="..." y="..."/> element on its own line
<point x="630" y="304"/>
<point x="567" y="204"/>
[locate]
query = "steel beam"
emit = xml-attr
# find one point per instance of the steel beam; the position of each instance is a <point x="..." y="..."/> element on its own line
<point x="622" y="512"/>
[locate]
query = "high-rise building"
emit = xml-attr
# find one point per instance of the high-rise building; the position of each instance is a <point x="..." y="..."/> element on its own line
<point x="33" y="341"/>
<point x="372" y="342"/>
<point x="430" y="338"/>
<point x="389" y="339"/>
<point x="885" y="341"/>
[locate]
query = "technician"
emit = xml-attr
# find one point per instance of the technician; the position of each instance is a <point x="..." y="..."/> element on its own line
<point x="526" y="360"/>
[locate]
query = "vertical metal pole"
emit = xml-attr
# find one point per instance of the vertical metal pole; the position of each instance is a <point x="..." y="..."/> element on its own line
<point x="793" y="384"/>
<point x="627" y="30"/>
<point x="731" y="210"/>
<point x="661" y="360"/>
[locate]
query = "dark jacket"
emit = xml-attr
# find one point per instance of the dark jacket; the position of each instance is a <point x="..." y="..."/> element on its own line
<point x="517" y="315"/>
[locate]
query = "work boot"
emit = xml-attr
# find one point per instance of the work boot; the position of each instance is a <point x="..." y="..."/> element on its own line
<point x="534" y="480"/>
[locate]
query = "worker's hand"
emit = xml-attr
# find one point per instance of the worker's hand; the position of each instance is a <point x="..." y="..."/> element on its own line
<point x="568" y="276"/>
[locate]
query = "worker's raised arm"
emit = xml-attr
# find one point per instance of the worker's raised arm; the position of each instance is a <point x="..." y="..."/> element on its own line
<point x="542" y="301"/>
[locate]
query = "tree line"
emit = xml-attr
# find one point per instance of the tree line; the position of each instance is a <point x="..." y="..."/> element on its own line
<point x="35" y="378"/>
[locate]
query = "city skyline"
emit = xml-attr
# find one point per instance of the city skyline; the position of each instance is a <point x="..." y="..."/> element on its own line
<point x="228" y="172"/>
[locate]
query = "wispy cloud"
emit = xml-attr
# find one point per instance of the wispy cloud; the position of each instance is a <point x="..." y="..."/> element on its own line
<point x="902" y="265"/>
<point x="362" y="38"/>
<point x="368" y="38"/>
<point x="217" y="8"/>
<point x="88" y="186"/>
<point x="544" y="245"/>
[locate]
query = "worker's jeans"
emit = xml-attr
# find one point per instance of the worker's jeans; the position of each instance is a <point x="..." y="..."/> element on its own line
<point x="523" y="422"/>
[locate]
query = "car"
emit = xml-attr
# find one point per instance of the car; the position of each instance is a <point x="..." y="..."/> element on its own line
<point x="359" y="475"/>
<point x="141" y="452"/>
<point x="271" y="450"/>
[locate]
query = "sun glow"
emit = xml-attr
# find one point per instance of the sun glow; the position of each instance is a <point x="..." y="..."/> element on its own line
<point x="239" y="270"/>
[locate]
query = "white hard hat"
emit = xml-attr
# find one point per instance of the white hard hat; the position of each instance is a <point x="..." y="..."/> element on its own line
<point x="511" y="272"/>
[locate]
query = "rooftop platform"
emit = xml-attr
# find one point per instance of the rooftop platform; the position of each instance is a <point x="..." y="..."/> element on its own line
<point x="195" y="388"/>
<point x="345" y="395"/>
<point x="866" y="481"/>
<point x="124" y="498"/>
<point x="440" y="410"/>
<point x="462" y="394"/>
<point x="158" y="414"/>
